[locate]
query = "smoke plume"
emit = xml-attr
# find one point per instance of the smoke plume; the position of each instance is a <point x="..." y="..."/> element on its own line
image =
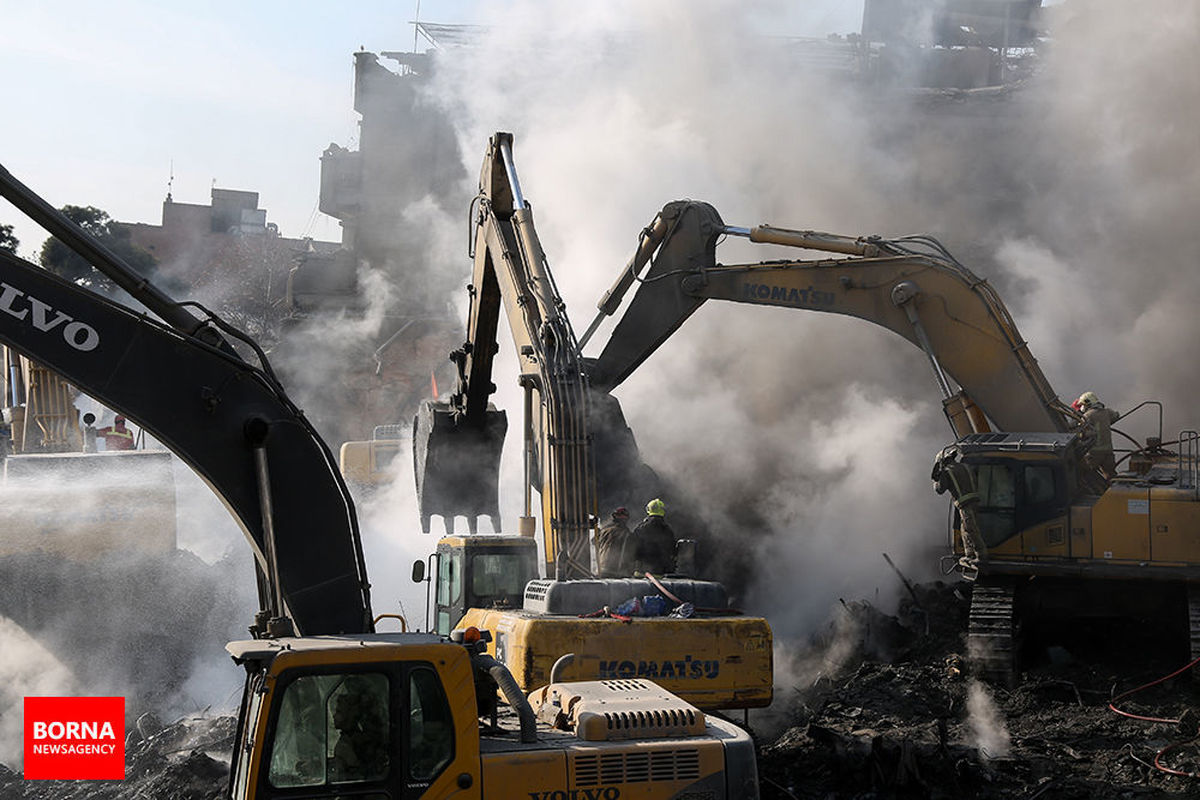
<point x="986" y="723"/>
<point x="807" y="440"/>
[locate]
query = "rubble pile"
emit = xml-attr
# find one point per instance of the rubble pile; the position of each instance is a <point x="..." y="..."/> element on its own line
<point x="187" y="760"/>
<point x="917" y="725"/>
<point x="897" y="715"/>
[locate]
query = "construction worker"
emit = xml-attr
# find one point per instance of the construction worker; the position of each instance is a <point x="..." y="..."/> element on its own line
<point x="117" y="436"/>
<point x="951" y="475"/>
<point x="1098" y="420"/>
<point x="654" y="541"/>
<point x="614" y="547"/>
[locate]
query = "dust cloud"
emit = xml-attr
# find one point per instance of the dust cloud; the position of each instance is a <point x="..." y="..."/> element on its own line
<point x="27" y="669"/>
<point x="808" y="440"/>
<point x="392" y="541"/>
<point x="111" y="589"/>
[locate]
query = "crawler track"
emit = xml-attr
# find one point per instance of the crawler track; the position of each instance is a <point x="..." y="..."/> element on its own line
<point x="991" y="633"/>
<point x="1193" y="601"/>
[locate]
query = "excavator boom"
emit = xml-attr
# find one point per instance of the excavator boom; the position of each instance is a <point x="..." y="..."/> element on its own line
<point x="228" y="420"/>
<point x="511" y="273"/>
<point x="911" y="286"/>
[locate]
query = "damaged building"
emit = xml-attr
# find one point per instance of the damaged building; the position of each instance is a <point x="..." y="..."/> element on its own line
<point x="387" y="283"/>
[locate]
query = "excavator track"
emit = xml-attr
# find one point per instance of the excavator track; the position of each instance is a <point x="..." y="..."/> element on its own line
<point x="1193" y="601"/>
<point x="991" y="634"/>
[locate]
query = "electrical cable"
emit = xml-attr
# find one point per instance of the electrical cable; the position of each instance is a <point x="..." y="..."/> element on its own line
<point x="1112" y="706"/>
<point x="1170" y="770"/>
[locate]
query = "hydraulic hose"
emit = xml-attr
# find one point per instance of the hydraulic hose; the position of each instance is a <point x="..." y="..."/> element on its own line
<point x="512" y="693"/>
<point x="1113" y="705"/>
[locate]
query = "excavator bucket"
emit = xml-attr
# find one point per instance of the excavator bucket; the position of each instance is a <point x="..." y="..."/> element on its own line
<point x="457" y="465"/>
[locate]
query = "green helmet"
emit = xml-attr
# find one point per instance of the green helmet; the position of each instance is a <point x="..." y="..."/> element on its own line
<point x="1087" y="400"/>
<point x="656" y="508"/>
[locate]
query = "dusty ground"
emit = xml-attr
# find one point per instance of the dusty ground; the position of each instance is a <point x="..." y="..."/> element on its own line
<point x="907" y="721"/>
<point x="894" y="717"/>
<point x="187" y="760"/>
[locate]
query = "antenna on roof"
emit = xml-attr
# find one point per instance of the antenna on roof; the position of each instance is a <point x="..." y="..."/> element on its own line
<point x="170" y="179"/>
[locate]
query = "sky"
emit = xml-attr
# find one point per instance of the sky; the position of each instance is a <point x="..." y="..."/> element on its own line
<point x="106" y="101"/>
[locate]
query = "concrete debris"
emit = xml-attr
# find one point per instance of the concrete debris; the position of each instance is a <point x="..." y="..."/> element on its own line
<point x="900" y="725"/>
<point x="187" y="760"/>
<point x="896" y="719"/>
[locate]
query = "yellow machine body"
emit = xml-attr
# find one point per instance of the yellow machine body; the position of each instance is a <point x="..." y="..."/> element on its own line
<point x="713" y="663"/>
<point x="434" y="746"/>
<point x="490" y="582"/>
<point x="1143" y="524"/>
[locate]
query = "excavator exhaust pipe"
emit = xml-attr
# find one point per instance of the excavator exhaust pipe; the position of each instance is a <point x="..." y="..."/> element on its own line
<point x="457" y="465"/>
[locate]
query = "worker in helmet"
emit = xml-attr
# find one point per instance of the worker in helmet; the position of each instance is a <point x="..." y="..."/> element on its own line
<point x="117" y="436"/>
<point x="950" y="474"/>
<point x="1098" y="420"/>
<point x="614" y="546"/>
<point x="654" y="541"/>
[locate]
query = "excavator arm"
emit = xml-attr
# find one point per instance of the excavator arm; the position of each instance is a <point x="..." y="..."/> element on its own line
<point x="230" y="421"/>
<point x="911" y="286"/>
<point x="458" y="443"/>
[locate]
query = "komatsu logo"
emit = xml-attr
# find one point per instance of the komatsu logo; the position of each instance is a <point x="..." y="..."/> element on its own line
<point x="599" y="793"/>
<point x="786" y="296"/>
<point x="683" y="669"/>
<point x="79" y="335"/>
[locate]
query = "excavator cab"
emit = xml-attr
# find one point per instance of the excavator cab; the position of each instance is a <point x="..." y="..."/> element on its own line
<point x="1023" y="480"/>
<point x="487" y="571"/>
<point x="383" y="719"/>
<point x="457" y="465"/>
<point x="1026" y="484"/>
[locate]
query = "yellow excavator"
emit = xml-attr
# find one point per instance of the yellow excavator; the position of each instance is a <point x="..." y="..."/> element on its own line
<point x="706" y="652"/>
<point x="1062" y="539"/>
<point x="333" y="708"/>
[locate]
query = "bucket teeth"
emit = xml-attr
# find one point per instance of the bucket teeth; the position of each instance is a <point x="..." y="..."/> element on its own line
<point x="457" y="465"/>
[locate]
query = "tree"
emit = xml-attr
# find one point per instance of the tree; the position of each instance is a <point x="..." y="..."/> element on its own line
<point x="8" y="242"/>
<point x="66" y="263"/>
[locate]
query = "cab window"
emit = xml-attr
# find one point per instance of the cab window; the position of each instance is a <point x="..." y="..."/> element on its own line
<point x="449" y="578"/>
<point x="995" y="486"/>
<point x="430" y="742"/>
<point x="1039" y="485"/>
<point x="332" y="729"/>
<point x="997" y="502"/>
<point x="357" y="717"/>
<point x="449" y="589"/>
<point x="497" y="575"/>
<point x="252" y="698"/>
<point x="383" y="454"/>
